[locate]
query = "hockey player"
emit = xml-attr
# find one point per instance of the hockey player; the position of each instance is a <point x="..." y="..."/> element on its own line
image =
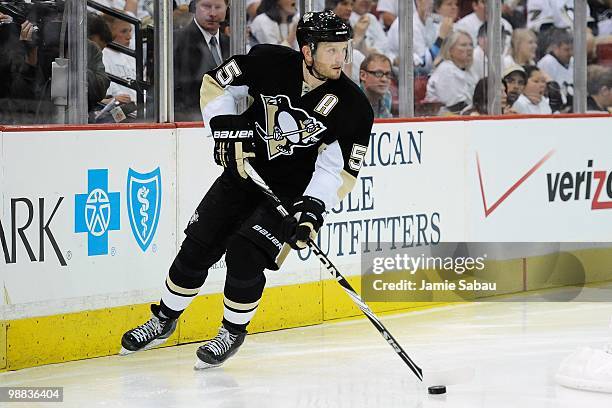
<point x="306" y="133"/>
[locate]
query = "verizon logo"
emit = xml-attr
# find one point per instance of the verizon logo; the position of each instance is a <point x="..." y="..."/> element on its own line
<point x="592" y="185"/>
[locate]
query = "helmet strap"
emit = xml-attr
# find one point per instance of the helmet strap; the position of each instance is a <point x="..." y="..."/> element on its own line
<point x="311" y="69"/>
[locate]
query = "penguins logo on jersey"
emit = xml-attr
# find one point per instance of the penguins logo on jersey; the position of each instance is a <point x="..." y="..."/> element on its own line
<point x="287" y="127"/>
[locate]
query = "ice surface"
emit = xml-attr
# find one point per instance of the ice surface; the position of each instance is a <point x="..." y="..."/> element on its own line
<point x="498" y="354"/>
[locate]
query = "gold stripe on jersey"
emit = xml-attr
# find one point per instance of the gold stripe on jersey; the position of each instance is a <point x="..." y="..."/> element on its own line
<point x="177" y="289"/>
<point x="209" y="90"/>
<point x="348" y="182"/>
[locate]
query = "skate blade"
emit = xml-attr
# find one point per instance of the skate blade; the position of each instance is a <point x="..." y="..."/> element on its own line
<point x="201" y="365"/>
<point x="154" y="343"/>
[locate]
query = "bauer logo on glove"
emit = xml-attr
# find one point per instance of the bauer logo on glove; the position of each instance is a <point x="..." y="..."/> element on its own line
<point x="233" y="135"/>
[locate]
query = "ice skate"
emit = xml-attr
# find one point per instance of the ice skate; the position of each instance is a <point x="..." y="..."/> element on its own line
<point x="214" y="352"/>
<point x="148" y="335"/>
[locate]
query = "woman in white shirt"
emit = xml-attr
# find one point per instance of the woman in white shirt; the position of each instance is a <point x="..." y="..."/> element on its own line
<point x="276" y="23"/>
<point x="532" y="100"/>
<point x="451" y="83"/>
<point x="523" y="48"/>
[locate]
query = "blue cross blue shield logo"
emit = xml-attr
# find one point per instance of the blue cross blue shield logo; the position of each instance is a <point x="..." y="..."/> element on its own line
<point x="97" y="212"/>
<point x="144" y="193"/>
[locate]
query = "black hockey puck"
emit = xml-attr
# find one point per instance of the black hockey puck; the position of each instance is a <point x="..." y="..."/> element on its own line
<point x="437" y="389"/>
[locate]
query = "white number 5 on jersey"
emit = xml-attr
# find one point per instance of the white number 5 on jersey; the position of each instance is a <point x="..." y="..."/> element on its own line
<point x="357" y="155"/>
<point x="226" y="75"/>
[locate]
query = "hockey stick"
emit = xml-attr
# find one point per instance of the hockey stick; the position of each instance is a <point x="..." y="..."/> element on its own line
<point x="338" y="276"/>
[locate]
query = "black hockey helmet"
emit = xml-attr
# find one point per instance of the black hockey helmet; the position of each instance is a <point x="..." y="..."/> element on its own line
<point x="323" y="26"/>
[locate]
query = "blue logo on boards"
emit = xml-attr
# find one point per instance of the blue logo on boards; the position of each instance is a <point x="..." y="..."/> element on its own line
<point x="144" y="204"/>
<point x="97" y="212"/>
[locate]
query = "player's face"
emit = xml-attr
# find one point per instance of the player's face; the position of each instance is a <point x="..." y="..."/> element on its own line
<point x="210" y="13"/>
<point x="329" y="58"/>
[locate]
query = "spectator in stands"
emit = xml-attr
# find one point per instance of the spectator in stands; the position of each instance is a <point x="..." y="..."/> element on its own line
<point x="451" y="83"/>
<point x="479" y="66"/>
<point x="480" y="98"/>
<point x="375" y="74"/>
<point x="368" y="33"/>
<point x="532" y="100"/>
<point x="182" y="15"/>
<point x="26" y="76"/>
<point x="559" y="64"/>
<point x="276" y="23"/>
<point x="522" y="48"/>
<point x="514" y="79"/>
<point x="543" y="15"/>
<point x="387" y="11"/>
<point x="604" y="18"/>
<point x="119" y="64"/>
<point x="426" y="45"/>
<point x="198" y="48"/>
<point x="18" y="69"/>
<point x="472" y="22"/>
<point x="446" y="9"/>
<point x="514" y="12"/>
<point x="599" y="87"/>
<point x="98" y="31"/>
<point x="444" y="15"/>
<point x="251" y="8"/>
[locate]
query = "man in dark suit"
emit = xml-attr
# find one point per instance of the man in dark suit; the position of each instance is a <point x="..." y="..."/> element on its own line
<point x="198" y="48"/>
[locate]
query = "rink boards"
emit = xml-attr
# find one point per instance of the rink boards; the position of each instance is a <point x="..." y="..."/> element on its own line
<point x="91" y="219"/>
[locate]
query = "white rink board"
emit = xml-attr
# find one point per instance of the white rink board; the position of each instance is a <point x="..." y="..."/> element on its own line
<point x="508" y="150"/>
<point x="52" y="165"/>
<point x="410" y="193"/>
<point x="422" y="185"/>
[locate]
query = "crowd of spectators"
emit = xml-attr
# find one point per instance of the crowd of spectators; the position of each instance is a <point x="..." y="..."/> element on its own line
<point x="450" y="44"/>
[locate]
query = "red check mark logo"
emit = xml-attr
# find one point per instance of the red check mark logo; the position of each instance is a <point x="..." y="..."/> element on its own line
<point x="520" y="181"/>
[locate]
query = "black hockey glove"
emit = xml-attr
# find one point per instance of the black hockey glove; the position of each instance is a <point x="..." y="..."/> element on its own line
<point x="304" y="221"/>
<point x="233" y="135"/>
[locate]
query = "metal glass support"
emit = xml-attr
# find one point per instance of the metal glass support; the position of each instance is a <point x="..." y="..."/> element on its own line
<point x="580" y="56"/>
<point x="494" y="60"/>
<point x="406" y="63"/>
<point x="77" y="66"/>
<point x="163" y="83"/>
<point x="238" y="37"/>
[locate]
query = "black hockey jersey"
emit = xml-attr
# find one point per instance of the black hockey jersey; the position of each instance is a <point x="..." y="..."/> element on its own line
<point x="290" y="128"/>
